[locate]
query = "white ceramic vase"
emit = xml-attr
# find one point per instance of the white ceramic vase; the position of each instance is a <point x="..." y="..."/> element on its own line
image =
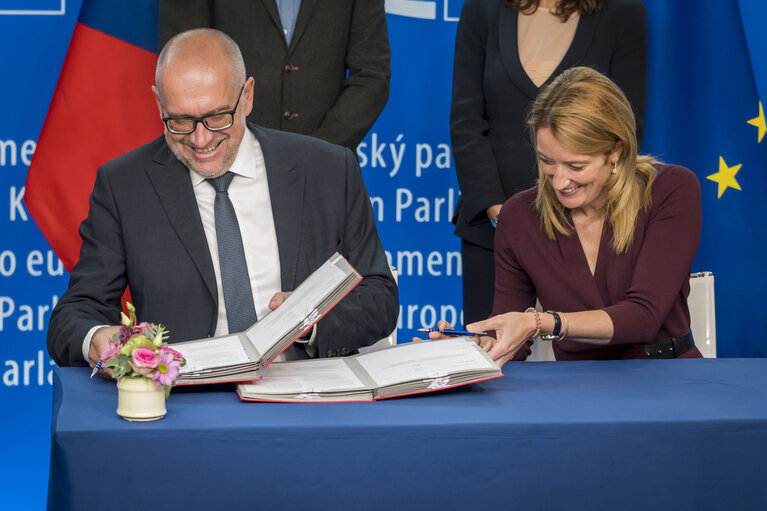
<point x="139" y="399"/>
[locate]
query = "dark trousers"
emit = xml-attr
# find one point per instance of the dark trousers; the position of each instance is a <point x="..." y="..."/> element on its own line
<point x="478" y="282"/>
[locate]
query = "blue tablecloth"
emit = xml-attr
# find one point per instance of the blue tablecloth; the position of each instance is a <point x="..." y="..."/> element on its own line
<point x="623" y="435"/>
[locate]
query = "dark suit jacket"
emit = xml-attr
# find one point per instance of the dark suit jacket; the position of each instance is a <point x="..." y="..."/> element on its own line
<point x="144" y="231"/>
<point x="492" y="94"/>
<point x="304" y="87"/>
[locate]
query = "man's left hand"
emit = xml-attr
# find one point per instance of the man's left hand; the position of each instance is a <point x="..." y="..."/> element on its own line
<point x="277" y="300"/>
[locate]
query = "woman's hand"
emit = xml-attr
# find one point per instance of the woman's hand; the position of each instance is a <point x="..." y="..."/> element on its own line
<point x="512" y="330"/>
<point x="442" y="325"/>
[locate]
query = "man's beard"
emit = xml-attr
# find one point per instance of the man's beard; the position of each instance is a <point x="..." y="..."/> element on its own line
<point x="191" y="163"/>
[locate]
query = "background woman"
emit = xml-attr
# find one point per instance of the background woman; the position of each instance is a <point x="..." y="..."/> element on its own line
<point x="504" y="52"/>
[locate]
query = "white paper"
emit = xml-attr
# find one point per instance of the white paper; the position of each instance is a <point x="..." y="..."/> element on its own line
<point x="213" y="353"/>
<point x="423" y="360"/>
<point x="320" y="375"/>
<point x="297" y="308"/>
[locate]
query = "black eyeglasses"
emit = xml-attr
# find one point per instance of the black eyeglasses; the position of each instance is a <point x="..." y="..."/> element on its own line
<point x="214" y="122"/>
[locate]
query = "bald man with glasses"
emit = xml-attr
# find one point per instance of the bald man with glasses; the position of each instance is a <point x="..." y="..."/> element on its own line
<point x="211" y="225"/>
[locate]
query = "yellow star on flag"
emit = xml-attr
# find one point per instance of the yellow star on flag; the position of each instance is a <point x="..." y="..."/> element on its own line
<point x="759" y="123"/>
<point x="725" y="177"/>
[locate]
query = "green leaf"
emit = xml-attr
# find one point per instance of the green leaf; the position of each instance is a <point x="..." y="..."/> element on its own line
<point x="120" y="366"/>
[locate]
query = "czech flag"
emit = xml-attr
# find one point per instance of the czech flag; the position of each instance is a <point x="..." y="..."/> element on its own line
<point x="102" y="107"/>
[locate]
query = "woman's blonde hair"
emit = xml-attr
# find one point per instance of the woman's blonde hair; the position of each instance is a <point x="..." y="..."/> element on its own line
<point x="588" y="114"/>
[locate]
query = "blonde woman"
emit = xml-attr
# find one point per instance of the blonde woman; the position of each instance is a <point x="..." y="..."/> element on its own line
<point x="605" y="241"/>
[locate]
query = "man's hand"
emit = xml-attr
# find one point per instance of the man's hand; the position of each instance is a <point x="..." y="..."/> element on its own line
<point x="277" y="300"/>
<point x="100" y="342"/>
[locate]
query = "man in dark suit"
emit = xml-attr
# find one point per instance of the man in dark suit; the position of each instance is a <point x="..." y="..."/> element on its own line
<point x="152" y="226"/>
<point x="321" y="67"/>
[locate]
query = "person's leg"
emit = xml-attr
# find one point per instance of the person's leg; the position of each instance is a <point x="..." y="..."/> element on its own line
<point x="478" y="282"/>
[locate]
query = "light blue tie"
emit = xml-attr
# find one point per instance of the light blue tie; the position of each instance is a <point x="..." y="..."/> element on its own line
<point x="238" y="297"/>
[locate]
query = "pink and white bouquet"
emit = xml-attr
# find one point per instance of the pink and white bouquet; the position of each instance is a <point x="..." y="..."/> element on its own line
<point x="138" y="350"/>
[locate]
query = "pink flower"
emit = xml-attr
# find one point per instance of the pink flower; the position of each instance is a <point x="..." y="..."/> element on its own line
<point x="110" y="352"/>
<point x="167" y="369"/>
<point x="176" y="354"/>
<point x="144" y="360"/>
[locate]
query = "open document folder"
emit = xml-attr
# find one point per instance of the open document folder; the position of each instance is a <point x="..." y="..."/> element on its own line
<point x="411" y="368"/>
<point x="240" y="356"/>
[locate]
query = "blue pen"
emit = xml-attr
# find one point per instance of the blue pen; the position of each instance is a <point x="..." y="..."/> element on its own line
<point x="451" y="332"/>
<point x="96" y="368"/>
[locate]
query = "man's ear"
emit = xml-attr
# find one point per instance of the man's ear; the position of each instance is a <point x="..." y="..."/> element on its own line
<point x="248" y="95"/>
<point x="157" y="99"/>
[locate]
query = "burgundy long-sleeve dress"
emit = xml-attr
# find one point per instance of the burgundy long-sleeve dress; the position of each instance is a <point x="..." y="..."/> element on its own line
<point x="644" y="290"/>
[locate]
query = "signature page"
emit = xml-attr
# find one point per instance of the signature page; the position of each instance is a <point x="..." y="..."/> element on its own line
<point x="424" y="359"/>
<point x="319" y="375"/>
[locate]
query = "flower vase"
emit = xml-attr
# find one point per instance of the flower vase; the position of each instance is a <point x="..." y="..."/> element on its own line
<point x="139" y="399"/>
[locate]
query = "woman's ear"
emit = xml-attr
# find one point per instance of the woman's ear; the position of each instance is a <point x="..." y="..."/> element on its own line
<point x="615" y="155"/>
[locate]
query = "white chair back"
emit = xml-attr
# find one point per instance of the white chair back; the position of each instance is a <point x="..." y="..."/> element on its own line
<point x="702" y="312"/>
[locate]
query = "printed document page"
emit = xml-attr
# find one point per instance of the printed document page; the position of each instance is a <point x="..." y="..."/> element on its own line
<point x="224" y="351"/>
<point x="319" y="375"/>
<point x="424" y="359"/>
<point x="299" y="307"/>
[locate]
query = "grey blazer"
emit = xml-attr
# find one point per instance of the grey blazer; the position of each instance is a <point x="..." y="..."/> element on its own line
<point x="304" y="87"/>
<point x="144" y="231"/>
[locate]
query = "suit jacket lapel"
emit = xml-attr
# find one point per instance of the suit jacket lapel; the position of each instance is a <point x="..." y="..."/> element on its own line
<point x="582" y="39"/>
<point x="286" y="190"/>
<point x="304" y="15"/>
<point x="174" y="190"/>
<point x="274" y="13"/>
<point x="508" y="37"/>
<point x="507" y="42"/>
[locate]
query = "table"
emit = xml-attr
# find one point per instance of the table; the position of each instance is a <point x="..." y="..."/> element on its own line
<point x="624" y="435"/>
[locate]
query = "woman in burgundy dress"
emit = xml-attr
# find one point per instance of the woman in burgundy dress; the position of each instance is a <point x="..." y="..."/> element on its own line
<point x="605" y="241"/>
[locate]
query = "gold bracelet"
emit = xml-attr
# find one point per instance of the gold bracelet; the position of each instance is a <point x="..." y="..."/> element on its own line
<point x="537" y="323"/>
<point x="566" y="328"/>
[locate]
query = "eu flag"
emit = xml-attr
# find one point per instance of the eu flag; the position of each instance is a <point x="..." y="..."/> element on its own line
<point x="103" y="106"/>
<point x="706" y="94"/>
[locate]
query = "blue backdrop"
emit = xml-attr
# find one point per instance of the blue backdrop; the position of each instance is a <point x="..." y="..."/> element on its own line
<point x="707" y="65"/>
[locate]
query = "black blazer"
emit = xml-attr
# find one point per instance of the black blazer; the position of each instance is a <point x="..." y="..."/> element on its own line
<point x="492" y="94"/>
<point x="144" y="231"/>
<point x="304" y="87"/>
